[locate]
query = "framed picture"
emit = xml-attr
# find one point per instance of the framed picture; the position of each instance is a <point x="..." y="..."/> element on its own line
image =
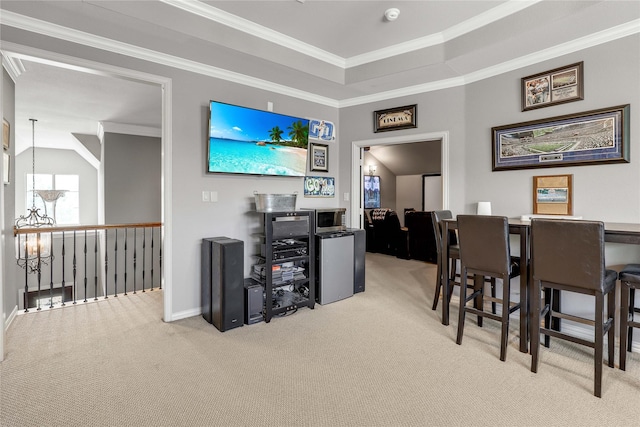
<point x="371" y="191"/>
<point x="598" y="136"/>
<point x="564" y="84"/>
<point x="6" y="134"/>
<point x="395" y="118"/>
<point x="319" y="157"/>
<point x="319" y="186"/>
<point x="6" y="162"/>
<point x="552" y="195"/>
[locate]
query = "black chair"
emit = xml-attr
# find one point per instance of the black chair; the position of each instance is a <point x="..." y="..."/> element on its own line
<point x="454" y="255"/>
<point x="629" y="282"/>
<point x="568" y="255"/>
<point x="421" y="236"/>
<point x="387" y="232"/>
<point x="485" y="252"/>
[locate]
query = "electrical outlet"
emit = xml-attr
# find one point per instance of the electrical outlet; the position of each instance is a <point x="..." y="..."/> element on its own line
<point x="345" y="197"/>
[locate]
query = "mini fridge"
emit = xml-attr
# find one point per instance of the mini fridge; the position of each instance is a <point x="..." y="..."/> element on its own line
<point x="335" y="256"/>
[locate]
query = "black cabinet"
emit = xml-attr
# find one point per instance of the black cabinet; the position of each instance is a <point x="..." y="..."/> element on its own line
<point x="286" y="266"/>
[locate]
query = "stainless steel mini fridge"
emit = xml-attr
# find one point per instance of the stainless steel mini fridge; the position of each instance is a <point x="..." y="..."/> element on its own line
<point x="335" y="266"/>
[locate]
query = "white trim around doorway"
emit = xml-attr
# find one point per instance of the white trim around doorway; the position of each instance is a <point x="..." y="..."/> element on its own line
<point x="357" y="211"/>
<point x="78" y="64"/>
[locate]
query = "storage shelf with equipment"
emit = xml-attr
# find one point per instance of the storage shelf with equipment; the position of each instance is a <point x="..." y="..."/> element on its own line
<point x="286" y="266"/>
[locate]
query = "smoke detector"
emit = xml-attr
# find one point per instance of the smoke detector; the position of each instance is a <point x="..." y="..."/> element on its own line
<point x="392" y="14"/>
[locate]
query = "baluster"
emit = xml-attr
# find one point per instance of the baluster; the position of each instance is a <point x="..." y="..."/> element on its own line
<point x="63" y="259"/>
<point x="85" y="265"/>
<point x="160" y="255"/>
<point x="26" y="274"/>
<point x="39" y="271"/>
<point x="51" y="272"/>
<point x="106" y="262"/>
<point x="144" y="246"/>
<point x="75" y="269"/>
<point x="125" y="259"/>
<point x="135" y="258"/>
<point x="151" y="258"/>
<point x="115" y="266"/>
<point x="95" y="264"/>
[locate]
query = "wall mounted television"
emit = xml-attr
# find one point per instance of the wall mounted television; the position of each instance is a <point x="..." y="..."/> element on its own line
<point x="371" y="192"/>
<point x="247" y="141"/>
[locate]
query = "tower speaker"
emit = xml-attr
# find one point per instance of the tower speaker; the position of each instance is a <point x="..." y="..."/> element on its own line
<point x="223" y="282"/>
<point x="359" y="249"/>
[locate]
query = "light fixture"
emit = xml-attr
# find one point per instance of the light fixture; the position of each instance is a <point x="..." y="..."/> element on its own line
<point x="372" y="169"/>
<point x="33" y="249"/>
<point x="392" y="14"/>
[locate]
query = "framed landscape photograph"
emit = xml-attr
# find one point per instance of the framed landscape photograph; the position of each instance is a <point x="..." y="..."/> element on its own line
<point x="591" y="137"/>
<point x="319" y="157"/>
<point x="564" y="84"/>
<point x="552" y="195"/>
<point x="395" y="118"/>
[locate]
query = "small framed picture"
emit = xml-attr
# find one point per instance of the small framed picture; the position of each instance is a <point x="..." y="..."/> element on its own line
<point x="395" y="118"/>
<point x="6" y="134"/>
<point x="320" y="157"/>
<point x="552" y="87"/>
<point x="552" y="195"/>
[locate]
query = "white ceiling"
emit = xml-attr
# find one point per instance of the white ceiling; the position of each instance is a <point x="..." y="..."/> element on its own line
<point x="339" y="53"/>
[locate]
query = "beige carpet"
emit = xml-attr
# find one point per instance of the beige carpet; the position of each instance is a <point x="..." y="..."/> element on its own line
<point x="380" y="358"/>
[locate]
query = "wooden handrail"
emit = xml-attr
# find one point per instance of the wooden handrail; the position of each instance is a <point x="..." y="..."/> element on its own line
<point x="25" y="230"/>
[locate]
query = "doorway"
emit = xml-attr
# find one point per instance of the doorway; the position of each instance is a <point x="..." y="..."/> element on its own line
<point x="357" y="149"/>
<point x="163" y="84"/>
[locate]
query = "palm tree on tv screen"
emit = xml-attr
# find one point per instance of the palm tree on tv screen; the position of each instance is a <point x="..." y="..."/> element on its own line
<point x="276" y="134"/>
<point x="299" y="133"/>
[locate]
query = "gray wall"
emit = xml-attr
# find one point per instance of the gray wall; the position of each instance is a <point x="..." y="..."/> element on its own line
<point x="132" y="178"/>
<point x="9" y="288"/>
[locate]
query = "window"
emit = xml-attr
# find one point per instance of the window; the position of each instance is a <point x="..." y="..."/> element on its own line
<point x="66" y="211"/>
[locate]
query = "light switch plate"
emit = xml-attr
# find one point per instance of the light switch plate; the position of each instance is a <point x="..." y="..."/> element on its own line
<point x="205" y="196"/>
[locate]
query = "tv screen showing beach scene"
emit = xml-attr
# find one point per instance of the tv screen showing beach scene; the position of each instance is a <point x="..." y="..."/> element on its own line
<point x="247" y="141"/>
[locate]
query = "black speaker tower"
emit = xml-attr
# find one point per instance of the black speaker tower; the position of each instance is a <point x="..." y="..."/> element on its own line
<point x="223" y="282"/>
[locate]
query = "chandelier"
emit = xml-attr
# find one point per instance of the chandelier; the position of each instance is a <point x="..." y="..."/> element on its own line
<point x="34" y="249"/>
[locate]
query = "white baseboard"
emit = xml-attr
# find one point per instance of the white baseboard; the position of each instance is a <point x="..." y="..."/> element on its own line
<point x="184" y="314"/>
<point x="9" y="319"/>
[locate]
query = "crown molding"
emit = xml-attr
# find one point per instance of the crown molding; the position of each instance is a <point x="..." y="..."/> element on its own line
<point x="13" y="66"/>
<point x="75" y="36"/>
<point x="225" y="18"/>
<point x="98" y="42"/>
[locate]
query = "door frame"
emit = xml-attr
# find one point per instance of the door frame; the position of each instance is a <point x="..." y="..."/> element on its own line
<point x="165" y="85"/>
<point x="357" y="210"/>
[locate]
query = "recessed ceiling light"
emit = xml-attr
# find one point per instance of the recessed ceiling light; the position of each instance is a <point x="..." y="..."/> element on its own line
<point x="392" y="14"/>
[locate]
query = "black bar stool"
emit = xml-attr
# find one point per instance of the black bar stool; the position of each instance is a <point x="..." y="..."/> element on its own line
<point x="630" y="281"/>
<point x="568" y="255"/>
<point x="485" y="251"/>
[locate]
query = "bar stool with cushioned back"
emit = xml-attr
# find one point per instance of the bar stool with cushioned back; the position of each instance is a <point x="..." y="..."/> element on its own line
<point x="630" y="281"/>
<point x="485" y="251"/>
<point x="568" y="255"/>
<point x="454" y="254"/>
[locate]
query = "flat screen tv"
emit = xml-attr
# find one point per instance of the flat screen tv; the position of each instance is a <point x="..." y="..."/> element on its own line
<point x="247" y="141"/>
<point x="371" y="192"/>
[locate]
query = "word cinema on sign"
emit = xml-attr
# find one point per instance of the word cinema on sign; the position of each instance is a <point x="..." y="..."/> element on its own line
<point x="395" y="118"/>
